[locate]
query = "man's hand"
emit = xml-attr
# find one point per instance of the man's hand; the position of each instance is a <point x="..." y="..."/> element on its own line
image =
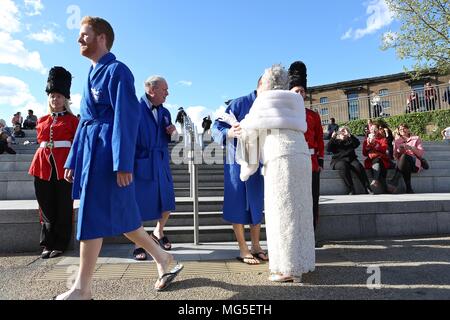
<point x="235" y="131"/>
<point x="124" y="179"/>
<point x="68" y="175"/>
<point x="170" y="129"/>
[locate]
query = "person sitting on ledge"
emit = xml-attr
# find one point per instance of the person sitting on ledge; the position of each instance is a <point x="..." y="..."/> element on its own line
<point x="374" y="148"/>
<point x="408" y="151"/>
<point x="342" y="145"/>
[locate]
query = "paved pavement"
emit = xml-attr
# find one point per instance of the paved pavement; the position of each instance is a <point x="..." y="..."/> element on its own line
<point x="363" y="270"/>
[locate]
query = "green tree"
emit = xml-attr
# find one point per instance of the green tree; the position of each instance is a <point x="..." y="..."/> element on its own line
<point x="423" y="35"/>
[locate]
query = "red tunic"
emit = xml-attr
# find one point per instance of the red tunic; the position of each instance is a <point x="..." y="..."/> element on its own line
<point x="314" y="138"/>
<point x="63" y="129"/>
<point x="376" y="150"/>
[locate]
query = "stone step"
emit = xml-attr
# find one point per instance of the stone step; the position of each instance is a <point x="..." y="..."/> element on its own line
<point x="205" y="178"/>
<point x="439" y="154"/>
<point x="24" y="151"/>
<point x="342" y="218"/>
<point x="185" y="234"/>
<point x="202" y="192"/>
<point x="16" y="158"/>
<point x="180" y="219"/>
<point x="18" y="185"/>
<point x="7" y="166"/>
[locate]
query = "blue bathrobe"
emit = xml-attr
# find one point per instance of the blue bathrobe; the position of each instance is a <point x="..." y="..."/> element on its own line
<point x="105" y="144"/>
<point x="154" y="183"/>
<point x="243" y="201"/>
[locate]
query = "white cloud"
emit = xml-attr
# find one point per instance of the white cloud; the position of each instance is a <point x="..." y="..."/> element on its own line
<point x="16" y="93"/>
<point x="185" y="83"/>
<point x="13" y="52"/>
<point x="9" y="16"/>
<point x="199" y="112"/>
<point x="76" y="101"/>
<point x="218" y="112"/>
<point x="379" y="17"/>
<point x="196" y="113"/>
<point x="47" y="36"/>
<point x="347" y="35"/>
<point x="34" y="7"/>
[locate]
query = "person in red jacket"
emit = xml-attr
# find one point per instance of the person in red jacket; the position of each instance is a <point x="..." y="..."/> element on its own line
<point x="55" y="133"/>
<point x="314" y="134"/>
<point x="375" y="148"/>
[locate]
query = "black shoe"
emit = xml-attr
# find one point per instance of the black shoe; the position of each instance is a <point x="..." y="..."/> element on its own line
<point x="392" y="188"/>
<point x="55" y="253"/>
<point x="351" y="192"/>
<point x="45" y="253"/>
<point x="369" y="191"/>
<point x="318" y="244"/>
<point x="410" y="191"/>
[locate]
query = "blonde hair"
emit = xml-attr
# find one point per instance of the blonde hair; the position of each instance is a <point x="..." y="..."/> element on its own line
<point x="67" y="104"/>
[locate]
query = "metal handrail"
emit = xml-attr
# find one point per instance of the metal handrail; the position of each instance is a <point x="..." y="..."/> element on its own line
<point x="190" y="130"/>
<point x="393" y="103"/>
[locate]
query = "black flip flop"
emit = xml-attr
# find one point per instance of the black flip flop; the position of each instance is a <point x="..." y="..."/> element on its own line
<point x="240" y="259"/>
<point x="169" y="277"/>
<point x="140" y="251"/>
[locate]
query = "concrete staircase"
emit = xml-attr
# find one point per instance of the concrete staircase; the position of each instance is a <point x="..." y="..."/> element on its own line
<point x="342" y="216"/>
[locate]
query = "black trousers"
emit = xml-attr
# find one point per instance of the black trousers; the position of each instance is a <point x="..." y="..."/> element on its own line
<point x="379" y="171"/>
<point x="56" y="204"/>
<point x="315" y="196"/>
<point x="405" y="166"/>
<point x="345" y="169"/>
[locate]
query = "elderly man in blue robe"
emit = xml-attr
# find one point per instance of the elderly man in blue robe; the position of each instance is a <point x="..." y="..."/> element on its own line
<point x="154" y="183"/>
<point x="243" y="201"/>
<point x="101" y="161"/>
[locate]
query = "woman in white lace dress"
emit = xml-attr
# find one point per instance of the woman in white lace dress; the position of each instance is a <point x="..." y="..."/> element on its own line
<point x="277" y="118"/>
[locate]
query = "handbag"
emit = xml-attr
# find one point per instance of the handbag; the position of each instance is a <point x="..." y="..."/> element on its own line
<point x="424" y="163"/>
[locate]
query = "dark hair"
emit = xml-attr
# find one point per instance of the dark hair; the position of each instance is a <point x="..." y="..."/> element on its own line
<point x="100" y="26"/>
<point x="404" y="125"/>
<point x="333" y="120"/>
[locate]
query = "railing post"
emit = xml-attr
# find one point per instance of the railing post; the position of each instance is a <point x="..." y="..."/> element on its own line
<point x="193" y="174"/>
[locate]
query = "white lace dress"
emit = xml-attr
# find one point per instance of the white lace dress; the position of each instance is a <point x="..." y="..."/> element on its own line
<point x="288" y="203"/>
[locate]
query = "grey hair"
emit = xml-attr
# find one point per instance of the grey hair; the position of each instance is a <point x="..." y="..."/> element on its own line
<point x="3" y="122"/>
<point x="275" y="78"/>
<point x="153" y="81"/>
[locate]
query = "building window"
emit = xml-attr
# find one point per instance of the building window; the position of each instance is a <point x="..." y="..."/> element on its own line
<point x="324" y="112"/>
<point x="385" y="103"/>
<point x="419" y="90"/>
<point x="353" y="106"/>
<point x="323" y="100"/>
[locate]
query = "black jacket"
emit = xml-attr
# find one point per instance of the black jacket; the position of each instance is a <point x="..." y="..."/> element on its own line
<point x="343" y="149"/>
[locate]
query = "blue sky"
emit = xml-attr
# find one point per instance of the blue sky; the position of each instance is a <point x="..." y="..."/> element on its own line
<point x="208" y="50"/>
